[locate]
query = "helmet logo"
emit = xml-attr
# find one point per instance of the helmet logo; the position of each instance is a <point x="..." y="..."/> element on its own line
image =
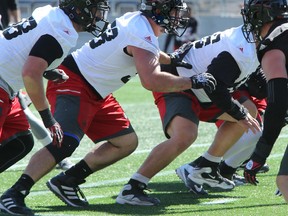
<point x="88" y="2"/>
<point x="143" y="6"/>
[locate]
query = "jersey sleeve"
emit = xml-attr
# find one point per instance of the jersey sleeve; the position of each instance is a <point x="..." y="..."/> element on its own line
<point x="47" y="48"/>
<point x="277" y="38"/>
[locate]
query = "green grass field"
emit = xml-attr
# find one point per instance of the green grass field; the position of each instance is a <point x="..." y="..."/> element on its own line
<point x="102" y="187"/>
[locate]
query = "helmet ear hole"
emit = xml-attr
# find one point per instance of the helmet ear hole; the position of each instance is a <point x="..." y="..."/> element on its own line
<point x="160" y="12"/>
<point x="157" y="11"/>
<point x="86" y="13"/>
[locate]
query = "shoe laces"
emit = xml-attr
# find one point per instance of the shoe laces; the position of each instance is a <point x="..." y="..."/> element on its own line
<point x="142" y="189"/>
<point x="82" y="196"/>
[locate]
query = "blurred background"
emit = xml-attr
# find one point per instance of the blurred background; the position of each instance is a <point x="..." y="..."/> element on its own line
<point x="212" y="15"/>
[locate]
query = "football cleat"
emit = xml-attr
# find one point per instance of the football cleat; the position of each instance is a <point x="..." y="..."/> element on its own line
<point x="135" y="195"/>
<point x="12" y="202"/>
<point x="65" y="164"/>
<point x="211" y="177"/>
<point x="183" y="172"/>
<point x="238" y="180"/>
<point x="278" y="192"/>
<point x="66" y="189"/>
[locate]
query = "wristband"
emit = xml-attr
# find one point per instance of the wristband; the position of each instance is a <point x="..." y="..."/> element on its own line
<point x="238" y="111"/>
<point x="47" y="118"/>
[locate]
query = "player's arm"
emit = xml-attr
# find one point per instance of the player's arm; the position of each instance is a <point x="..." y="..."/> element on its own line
<point x="43" y="53"/>
<point x="151" y="76"/>
<point x="225" y="69"/>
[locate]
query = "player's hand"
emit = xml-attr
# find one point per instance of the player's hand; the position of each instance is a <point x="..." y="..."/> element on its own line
<point x="56" y="75"/>
<point x="178" y="62"/>
<point x="250" y="123"/>
<point x="56" y="134"/>
<point x="205" y="81"/>
<point x="178" y="55"/>
<point x="250" y="171"/>
<point x="53" y="126"/>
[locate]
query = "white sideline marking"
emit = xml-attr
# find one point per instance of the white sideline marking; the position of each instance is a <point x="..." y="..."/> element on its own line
<point x="219" y="201"/>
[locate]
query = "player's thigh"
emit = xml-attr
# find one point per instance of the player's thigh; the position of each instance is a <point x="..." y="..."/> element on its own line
<point x="109" y="122"/>
<point x="14" y="122"/>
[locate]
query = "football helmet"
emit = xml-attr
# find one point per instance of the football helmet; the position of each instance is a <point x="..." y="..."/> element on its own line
<point x="256" y="13"/>
<point x="90" y="14"/>
<point x="170" y="14"/>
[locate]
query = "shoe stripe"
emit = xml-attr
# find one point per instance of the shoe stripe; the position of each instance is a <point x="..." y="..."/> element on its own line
<point x="73" y="197"/>
<point x="67" y="188"/>
<point x="70" y="192"/>
<point x="7" y="199"/>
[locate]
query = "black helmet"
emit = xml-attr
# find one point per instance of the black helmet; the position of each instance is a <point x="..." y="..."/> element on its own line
<point x="160" y="12"/>
<point x="258" y="12"/>
<point x="87" y="13"/>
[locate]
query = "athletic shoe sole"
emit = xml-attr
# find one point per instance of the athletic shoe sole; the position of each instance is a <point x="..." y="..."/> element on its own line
<point x="198" y="179"/>
<point x="58" y="193"/>
<point x="193" y="187"/>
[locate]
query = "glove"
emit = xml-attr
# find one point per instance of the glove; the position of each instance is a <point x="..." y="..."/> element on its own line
<point x="56" y="134"/>
<point x="178" y="55"/>
<point x="53" y="126"/>
<point x="251" y="169"/>
<point x="176" y="61"/>
<point x="56" y="75"/>
<point x="205" y="81"/>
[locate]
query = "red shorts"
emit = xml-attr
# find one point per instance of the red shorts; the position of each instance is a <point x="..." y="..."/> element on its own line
<point x="188" y="106"/>
<point x="13" y="121"/>
<point x="261" y="105"/>
<point x="79" y="110"/>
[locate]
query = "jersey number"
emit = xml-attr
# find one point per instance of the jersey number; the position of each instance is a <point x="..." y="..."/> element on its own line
<point x="19" y="28"/>
<point x="207" y="40"/>
<point x="110" y="33"/>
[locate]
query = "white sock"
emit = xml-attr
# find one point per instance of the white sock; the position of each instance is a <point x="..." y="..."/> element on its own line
<point x="212" y="158"/>
<point x="141" y="178"/>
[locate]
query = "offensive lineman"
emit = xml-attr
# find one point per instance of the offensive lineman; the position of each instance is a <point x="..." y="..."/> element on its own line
<point x="28" y="48"/>
<point x="267" y="22"/>
<point x="230" y="59"/>
<point x="84" y="103"/>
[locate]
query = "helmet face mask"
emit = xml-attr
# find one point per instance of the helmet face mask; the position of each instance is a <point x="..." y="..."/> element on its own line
<point x="256" y="13"/>
<point x="169" y="14"/>
<point x="91" y="15"/>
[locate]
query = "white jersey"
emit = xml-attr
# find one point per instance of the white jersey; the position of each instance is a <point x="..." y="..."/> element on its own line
<point x="103" y="61"/>
<point x="205" y="50"/>
<point x="17" y="41"/>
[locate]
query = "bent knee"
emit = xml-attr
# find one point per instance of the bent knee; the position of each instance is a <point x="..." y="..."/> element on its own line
<point x="184" y="140"/>
<point x="129" y="142"/>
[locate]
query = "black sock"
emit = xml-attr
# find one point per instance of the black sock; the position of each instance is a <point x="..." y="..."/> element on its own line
<point x="136" y="184"/>
<point x="24" y="184"/>
<point x="196" y="162"/>
<point x="207" y="163"/>
<point x="80" y="170"/>
<point x="226" y="171"/>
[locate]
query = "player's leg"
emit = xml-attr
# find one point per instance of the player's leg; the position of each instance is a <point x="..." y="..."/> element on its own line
<point x="282" y="176"/>
<point x="207" y="170"/>
<point x="180" y="126"/>
<point x="16" y="142"/>
<point x="38" y="129"/>
<point x="109" y="126"/>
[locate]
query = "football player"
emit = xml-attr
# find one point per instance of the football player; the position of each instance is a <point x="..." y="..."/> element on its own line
<point x="266" y="22"/>
<point x="28" y="48"/>
<point x="230" y="59"/>
<point x="84" y="104"/>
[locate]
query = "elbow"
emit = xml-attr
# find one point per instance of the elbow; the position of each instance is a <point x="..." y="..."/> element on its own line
<point x="150" y="85"/>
